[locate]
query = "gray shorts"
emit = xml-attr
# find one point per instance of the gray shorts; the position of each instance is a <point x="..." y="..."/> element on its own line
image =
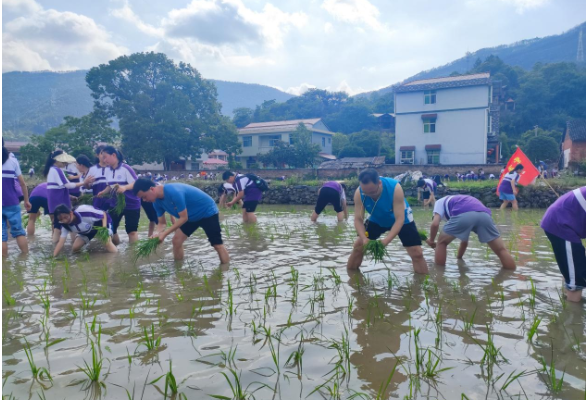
<point x="481" y="223"/>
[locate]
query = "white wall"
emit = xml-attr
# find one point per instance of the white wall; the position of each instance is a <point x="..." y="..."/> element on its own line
<point x="461" y="134"/>
<point x="465" y="97"/>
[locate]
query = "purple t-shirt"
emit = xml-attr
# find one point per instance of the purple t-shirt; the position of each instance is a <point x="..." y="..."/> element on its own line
<point x="57" y="193"/>
<point x="336" y="186"/>
<point x="566" y="218"/>
<point x="451" y="206"/>
<point x="123" y="175"/>
<point x="505" y="186"/>
<point x="99" y="184"/>
<point x="252" y="192"/>
<point x="10" y="172"/>
<point x="40" y="191"/>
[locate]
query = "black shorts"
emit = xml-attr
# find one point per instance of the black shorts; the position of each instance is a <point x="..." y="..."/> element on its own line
<point x="210" y="225"/>
<point x="326" y="196"/>
<point x="409" y="234"/>
<point x="250" y="206"/>
<point x="150" y="211"/>
<point x="426" y="195"/>
<point x="36" y="203"/>
<point x="20" y="199"/>
<point x="571" y="259"/>
<point x="131" y="220"/>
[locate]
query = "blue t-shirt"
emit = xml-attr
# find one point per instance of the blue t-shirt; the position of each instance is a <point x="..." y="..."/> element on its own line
<point x="178" y="197"/>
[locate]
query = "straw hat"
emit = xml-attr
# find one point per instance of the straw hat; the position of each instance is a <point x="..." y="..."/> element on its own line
<point x="65" y="158"/>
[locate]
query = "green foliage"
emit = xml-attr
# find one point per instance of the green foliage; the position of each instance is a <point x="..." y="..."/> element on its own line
<point x="340" y="141"/>
<point x="242" y="116"/>
<point x="542" y="148"/>
<point x="352" y="150"/>
<point x="76" y="136"/>
<point x="165" y="111"/>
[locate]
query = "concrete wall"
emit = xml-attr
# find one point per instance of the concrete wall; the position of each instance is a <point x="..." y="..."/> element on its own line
<point x="447" y="99"/>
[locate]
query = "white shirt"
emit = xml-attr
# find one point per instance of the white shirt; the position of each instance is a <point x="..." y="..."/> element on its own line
<point x="85" y="216"/>
<point x="439" y="207"/>
<point x="57" y="180"/>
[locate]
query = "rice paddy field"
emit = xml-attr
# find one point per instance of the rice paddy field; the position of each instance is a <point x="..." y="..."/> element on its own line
<point x="286" y="320"/>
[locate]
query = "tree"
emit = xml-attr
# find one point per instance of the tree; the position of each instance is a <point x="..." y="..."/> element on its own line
<point x="163" y="109"/>
<point x="242" y="116"/>
<point x="352" y="151"/>
<point x="75" y="136"/>
<point x="368" y="141"/>
<point x="301" y="153"/>
<point x="542" y="148"/>
<point x="339" y="142"/>
<point x="221" y="134"/>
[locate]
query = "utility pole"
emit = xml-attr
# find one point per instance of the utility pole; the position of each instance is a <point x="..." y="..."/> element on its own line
<point x="536" y="128"/>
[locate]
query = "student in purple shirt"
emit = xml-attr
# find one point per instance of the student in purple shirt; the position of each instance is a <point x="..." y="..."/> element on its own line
<point x="247" y="190"/>
<point x="564" y="224"/>
<point x="58" y="186"/>
<point x="331" y="193"/>
<point x="38" y="199"/>
<point x="98" y="171"/>
<point x="82" y="221"/>
<point x="122" y="176"/>
<point x="11" y="204"/>
<point x="508" y="190"/>
<point x="465" y="214"/>
<point x="429" y="191"/>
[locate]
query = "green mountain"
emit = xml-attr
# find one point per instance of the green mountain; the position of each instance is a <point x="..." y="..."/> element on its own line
<point x="36" y="101"/>
<point x="569" y="46"/>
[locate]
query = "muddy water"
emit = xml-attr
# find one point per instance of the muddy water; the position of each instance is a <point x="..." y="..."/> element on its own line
<point x="352" y="329"/>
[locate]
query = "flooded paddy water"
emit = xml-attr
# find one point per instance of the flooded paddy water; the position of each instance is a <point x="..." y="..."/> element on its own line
<point x="286" y="320"/>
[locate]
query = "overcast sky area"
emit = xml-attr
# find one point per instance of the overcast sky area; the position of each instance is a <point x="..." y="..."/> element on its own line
<point x="351" y="45"/>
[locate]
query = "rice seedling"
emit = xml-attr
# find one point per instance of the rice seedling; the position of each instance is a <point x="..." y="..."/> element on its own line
<point x="38" y="372"/>
<point x="231" y="309"/>
<point x="295" y="359"/>
<point x="552" y="382"/>
<point x="170" y="384"/>
<point x="150" y="340"/>
<point x="144" y="247"/>
<point x="25" y="220"/>
<point x="533" y="329"/>
<point x="468" y="323"/>
<point x="376" y="250"/>
<point x="121" y="203"/>
<point x="102" y="234"/>
<point x="533" y="293"/>
<point x="239" y="392"/>
<point x="93" y="370"/>
<point x="423" y="234"/>
<point x="511" y="378"/>
<point x="87" y="304"/>
<point x="86" y="199"/>
<point x="335" y="276"/>
<point x="8" y="299"/>
<point x="384" y="385"/>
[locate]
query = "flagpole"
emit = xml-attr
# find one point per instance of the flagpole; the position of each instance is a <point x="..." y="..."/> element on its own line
<point x="545" y="180"/>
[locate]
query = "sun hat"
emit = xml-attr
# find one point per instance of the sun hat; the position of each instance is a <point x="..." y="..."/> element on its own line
<point x="65" y="158"/>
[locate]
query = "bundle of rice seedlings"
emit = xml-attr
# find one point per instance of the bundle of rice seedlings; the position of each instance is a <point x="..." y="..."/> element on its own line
<point x="25" y="220"/>
<point x="121" y="203"/>
<point x="376" y="250"/>
<point x="144" y="247"/>
<point x="86" y="199"/>
<point x="102" y="234"/>
<point x="423" y="234"/>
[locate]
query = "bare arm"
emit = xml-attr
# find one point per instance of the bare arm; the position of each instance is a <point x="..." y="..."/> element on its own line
<point x="222" y="201"/>
<point x="398" y="206"/>
<point x="178" y="222"/>
<point x="59" y="246"/>
<point x="359" y="216"/>
<point x="434" y="230"/>
<point x="344" y="205"/>
<point x="238" y="197"/>
<point x="25" y="192"/>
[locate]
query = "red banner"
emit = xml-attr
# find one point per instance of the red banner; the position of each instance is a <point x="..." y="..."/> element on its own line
<point x="529" y="173"/>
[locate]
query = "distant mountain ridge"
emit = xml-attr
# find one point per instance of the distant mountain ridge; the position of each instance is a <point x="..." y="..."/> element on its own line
<point x="37" y="101"/>
<point x="525" y="54"/>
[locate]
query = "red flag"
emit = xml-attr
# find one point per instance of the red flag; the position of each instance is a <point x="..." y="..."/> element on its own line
<point x="529" y="173"/>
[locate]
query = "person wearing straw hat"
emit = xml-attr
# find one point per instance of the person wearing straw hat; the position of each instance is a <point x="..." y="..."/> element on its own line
<point x="58" y="186"/>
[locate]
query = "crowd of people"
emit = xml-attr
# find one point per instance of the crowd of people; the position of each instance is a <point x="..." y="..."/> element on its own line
<point x="118" y="192"/>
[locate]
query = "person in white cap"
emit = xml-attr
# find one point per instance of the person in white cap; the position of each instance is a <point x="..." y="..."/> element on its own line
<point x="58" y="186"/>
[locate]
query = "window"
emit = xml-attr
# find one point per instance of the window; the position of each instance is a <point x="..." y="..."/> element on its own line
<point x="291" y="139"/>
<point x="430" y="96"/>
<point x="273" y="140"/>
<point x="324" y="142"/>
<point x="247" y="141"/>
<point x="329" y="140"/>
<point x="429" y="125"/>
<point x="433" y="156"/>
<point x="407" y="157"/>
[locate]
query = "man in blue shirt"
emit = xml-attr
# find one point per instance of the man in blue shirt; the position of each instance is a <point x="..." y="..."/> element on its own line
<point x="192" y="208"/>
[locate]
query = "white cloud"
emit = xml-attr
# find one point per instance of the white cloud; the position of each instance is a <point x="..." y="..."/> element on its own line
<point x="524" y="5"/>
<point x="328" y="28"/>
<point x="298" y="90"/>
<point x="345" y="87"/>
<point x="55" y="40"/>
<point x="127" y="14"/>
<point x="354" y="12"/>
<point x="21" y="6"/>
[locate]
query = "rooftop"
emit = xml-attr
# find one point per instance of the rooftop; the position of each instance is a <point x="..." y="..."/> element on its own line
<point x="281" y="126"/>
<point x="446" y="82"/>
<point x="577" y="130"/>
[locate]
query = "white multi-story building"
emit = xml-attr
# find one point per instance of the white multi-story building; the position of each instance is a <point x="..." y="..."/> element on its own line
<point x="451" y="120"/>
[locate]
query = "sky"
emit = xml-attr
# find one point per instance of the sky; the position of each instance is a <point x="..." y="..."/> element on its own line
<point x="350" y="45"/>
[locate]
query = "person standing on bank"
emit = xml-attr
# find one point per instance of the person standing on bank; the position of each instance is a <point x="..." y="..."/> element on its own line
<point x="383" y="198"/>
<point x="122" y="177"/>
<point x="11" y="203"/>
<point x="58" y="186"/>
<point x="192" y="209"/>
<point x="508" y="190"/>
<point x="331" y="193"/>
<point x="247" y="190"/>
<point x="564" y="224"/>
<point x="82" y="221"/>
<point x="465" y="214"/>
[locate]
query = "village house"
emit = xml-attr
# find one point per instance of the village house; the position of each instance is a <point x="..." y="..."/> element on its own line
<point x="260" y="137"/>
<point x="450" y="120"/>
<point x="573" y="144"/>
